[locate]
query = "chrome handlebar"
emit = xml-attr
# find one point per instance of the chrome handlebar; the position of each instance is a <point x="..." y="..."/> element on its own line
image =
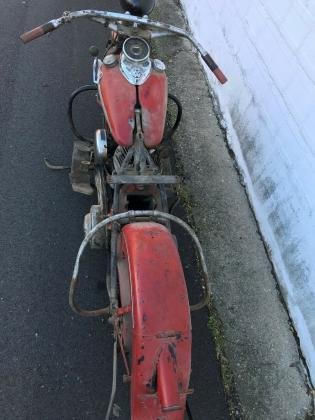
<point x="116" y="22"/>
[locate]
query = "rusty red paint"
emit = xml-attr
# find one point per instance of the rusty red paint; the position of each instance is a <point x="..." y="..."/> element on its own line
<point x="118" y="99"/>
<point x="123" y="310"/>
<point x="153" y="100"/>
<point x="161" y="326"/>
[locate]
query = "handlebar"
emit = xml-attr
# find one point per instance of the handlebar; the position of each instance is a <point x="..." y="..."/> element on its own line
<point x="37" y="32"/>
<point x="114" y="21"/>
<point x="214" y="68"/>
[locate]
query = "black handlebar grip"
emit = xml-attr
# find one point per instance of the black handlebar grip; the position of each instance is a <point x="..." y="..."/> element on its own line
<point x="214" y="68"/>
<point x="37" y="32"/>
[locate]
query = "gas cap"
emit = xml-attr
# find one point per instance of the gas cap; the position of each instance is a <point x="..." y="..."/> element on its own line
<point x="110" y="60"/>
<point x="158" y="65"/>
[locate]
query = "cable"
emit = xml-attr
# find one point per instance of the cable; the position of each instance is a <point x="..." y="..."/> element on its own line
<point x="114" y="382"/>
<point x="70" y="113"/>
<point x="178" y="117"/>
<point x="80" y="311"/>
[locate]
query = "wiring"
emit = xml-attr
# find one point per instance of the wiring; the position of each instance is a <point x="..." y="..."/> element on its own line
<point x="74" y="94"/>
<point x="177" y="102"/>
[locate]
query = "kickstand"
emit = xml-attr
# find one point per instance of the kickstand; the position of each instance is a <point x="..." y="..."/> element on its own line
<point x="55" y="167"/>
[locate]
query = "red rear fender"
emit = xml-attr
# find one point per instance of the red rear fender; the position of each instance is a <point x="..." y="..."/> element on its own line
<point x="161" y="326"/>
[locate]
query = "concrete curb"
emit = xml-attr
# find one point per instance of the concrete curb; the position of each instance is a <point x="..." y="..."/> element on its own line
<point x="269" y="374"/>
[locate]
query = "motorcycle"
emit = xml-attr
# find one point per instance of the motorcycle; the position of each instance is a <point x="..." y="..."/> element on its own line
<point x="128" y="159"/>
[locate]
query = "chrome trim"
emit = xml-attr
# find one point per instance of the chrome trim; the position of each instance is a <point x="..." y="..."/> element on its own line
<point x="130" y="39"/>
<point x="105" y="17"/>
<point x="135" y="72"/>
<point x="96" y="70"/>
<point x="100" y="147"/>
<point x="110" y="60"/>
<point x="158" y="65"/>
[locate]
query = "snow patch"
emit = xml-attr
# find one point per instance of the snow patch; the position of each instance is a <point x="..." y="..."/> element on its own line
<point x="267" y="50"/>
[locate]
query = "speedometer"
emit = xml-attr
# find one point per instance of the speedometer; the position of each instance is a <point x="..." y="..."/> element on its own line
<point x="136" y="49"/>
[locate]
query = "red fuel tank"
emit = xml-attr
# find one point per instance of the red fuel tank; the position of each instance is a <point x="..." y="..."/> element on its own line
<point x="119" y="99"/>
<point x="153" y="100"/>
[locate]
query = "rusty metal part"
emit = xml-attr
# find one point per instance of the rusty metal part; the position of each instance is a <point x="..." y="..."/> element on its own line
<point x="84" y="312"/>
<point x="98" y="212"/>
<point x="90" y="221"/>
<point x="100" y="184"/>
<point x="127" y="217"/>
<point x="143" y="179"/>
<point x="81" y="161"/>
<point x="140" y="197"/>
<point x="113" y="300"/>
<point x="55" y="167"/>
<point x="121" y="345"/>
<point x="137" y="160"/>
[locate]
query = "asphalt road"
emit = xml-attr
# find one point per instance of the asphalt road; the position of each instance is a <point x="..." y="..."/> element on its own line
<point x="53" y="364"/>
